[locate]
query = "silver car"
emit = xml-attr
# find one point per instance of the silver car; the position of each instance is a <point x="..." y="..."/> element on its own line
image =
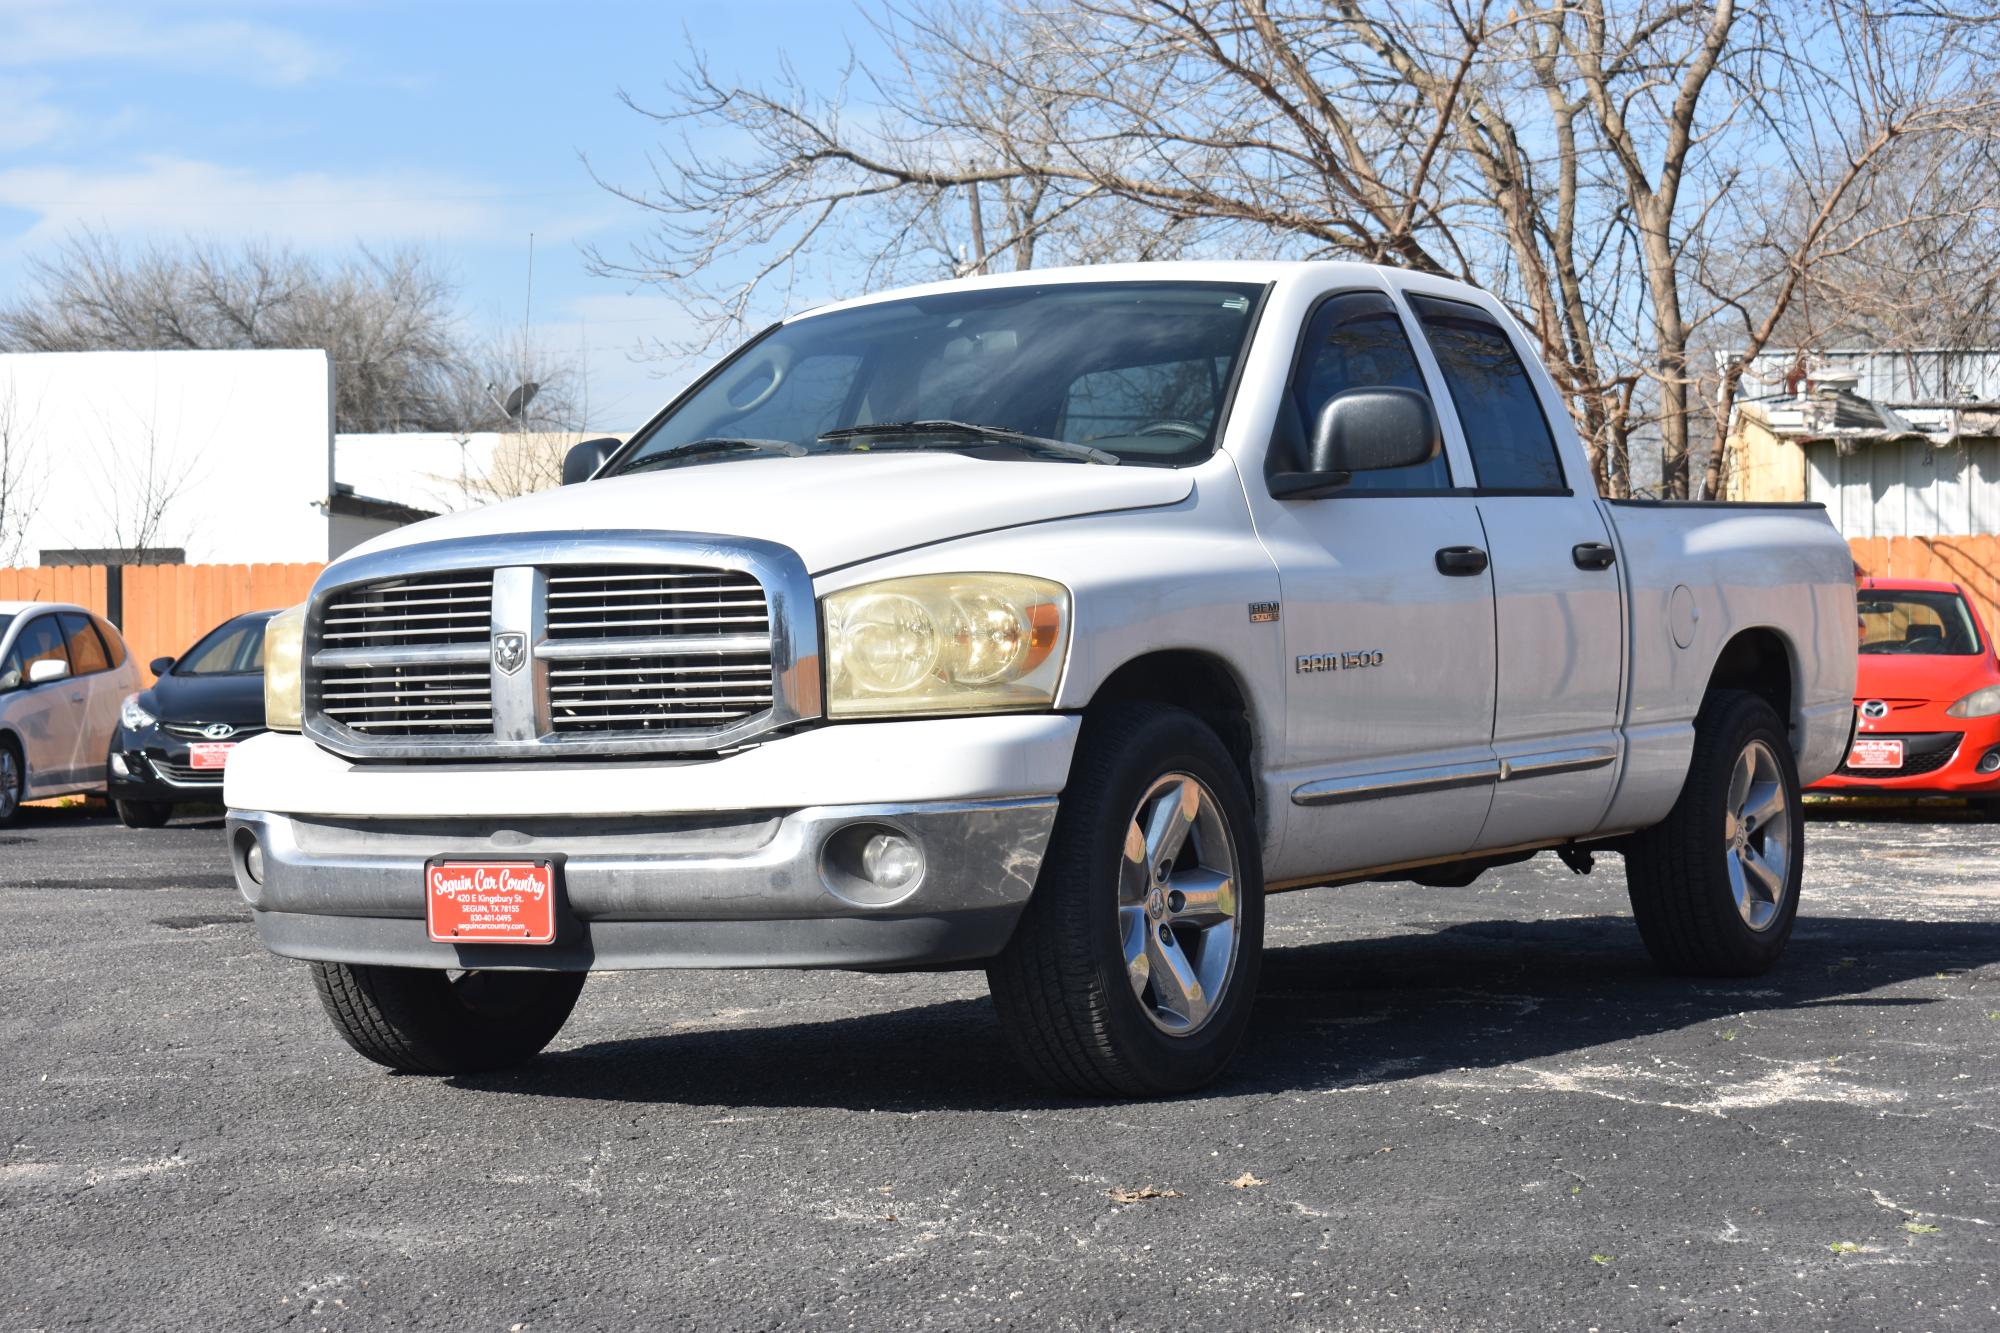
<point x="63" y="675"/>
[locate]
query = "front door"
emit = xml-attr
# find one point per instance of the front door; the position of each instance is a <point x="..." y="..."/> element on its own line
<point x="1388" y="623"/>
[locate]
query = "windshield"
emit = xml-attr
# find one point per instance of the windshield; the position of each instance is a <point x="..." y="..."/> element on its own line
<point x="1138" y="370"/>
<point x="1926" y="624"/>
<point x="235" y="649"/>
<point x="6" y="619"/>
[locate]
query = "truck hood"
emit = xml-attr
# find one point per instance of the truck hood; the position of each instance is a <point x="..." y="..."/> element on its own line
<point x="832" y="509"/>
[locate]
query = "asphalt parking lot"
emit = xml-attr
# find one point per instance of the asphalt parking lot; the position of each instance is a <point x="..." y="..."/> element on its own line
<point x="1473" y="1108"/>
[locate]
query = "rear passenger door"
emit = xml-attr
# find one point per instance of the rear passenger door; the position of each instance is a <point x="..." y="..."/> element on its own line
<point x="1558" y="602"/>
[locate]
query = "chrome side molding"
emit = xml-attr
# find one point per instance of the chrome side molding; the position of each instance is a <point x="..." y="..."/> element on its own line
<point x="1444" y="777"/>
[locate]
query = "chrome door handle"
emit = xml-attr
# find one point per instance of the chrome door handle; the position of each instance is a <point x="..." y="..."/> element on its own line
<point x="1461" y="561"/>
<point x="1593" y="555"/>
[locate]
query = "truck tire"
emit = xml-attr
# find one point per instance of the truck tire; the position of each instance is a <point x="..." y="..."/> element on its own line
<point x="1715" y="886"/>
<point x="144" y="814"/>
<point x="13" y="780"/>
<point x="426" y="1021"/>
<point x="1154" y="858"/>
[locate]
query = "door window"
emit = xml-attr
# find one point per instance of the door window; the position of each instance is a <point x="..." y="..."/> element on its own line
<point x="39" y="640"/>
<point x="86" y="650"/>
<point x="114" y="646"/>
<point x="1355" y="340"/>
<point x="1498" y="408"/>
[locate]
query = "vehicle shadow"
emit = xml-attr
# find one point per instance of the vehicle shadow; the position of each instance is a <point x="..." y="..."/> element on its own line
<point x="1345" y="1013"/>
<point x="1892" y="810"/>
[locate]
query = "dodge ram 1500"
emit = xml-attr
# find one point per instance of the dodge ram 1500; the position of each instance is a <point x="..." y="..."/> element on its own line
<point x="1045" y="624"/>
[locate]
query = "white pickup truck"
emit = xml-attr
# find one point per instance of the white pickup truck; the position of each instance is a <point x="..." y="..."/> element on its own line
<point x="1043" y="624"/>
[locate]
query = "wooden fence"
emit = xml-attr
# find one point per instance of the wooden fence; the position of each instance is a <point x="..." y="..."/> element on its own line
<point x="162" y="609"/>
<point x="1971" y="562"/>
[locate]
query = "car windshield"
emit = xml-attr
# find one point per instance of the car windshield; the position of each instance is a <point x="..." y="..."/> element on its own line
<point x="1924" y="624"/>
<point x="6" y="619"/>
<point x="235" y="649"/>
<point x="1137" y="371"/>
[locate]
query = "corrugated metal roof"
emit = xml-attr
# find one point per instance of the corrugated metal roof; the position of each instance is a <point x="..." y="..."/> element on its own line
<point x="1917" y="375"/>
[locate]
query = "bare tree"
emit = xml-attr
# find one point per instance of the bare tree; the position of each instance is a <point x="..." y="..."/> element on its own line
<point x="140" y="473"/>
<point x="401" y="359"/>
<point x="1631" y="179"/>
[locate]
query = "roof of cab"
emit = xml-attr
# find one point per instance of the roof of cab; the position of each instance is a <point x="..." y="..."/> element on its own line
<point x="1172" y="270"/>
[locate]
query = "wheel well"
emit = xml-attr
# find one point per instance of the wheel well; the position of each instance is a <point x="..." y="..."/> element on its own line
<point x="1757" y="660"/>
<point x="1199" y="682"/>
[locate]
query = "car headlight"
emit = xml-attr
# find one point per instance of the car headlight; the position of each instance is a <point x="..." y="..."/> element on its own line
<point x="133" y="716"/>
<point x="945" y="643"/>
<point x="1979" y="703"/>
<point x="284" y="644"/>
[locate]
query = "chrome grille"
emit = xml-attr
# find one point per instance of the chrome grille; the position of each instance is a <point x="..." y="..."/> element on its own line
<point x="618" y="602"/>
<point x="420" y="699"/>
<point x="559" y="643"/>
<point x="445" y="608"/>
<point x="633" y="693"/>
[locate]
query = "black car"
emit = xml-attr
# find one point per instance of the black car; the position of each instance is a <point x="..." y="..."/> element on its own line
<point x="172" y="739"/>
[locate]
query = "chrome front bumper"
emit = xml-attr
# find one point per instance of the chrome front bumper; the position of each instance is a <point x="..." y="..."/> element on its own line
<point x="755" y="889"/>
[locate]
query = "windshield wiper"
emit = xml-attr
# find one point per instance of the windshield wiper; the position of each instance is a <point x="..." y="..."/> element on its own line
<point x="971" y="430"/>
<point x="715" y="445"/>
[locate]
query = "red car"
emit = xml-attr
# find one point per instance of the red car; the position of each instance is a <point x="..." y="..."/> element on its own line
<point x="1928" y="693"/>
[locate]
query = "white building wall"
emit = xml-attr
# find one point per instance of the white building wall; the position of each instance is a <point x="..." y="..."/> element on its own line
<point x="1907" y="489"/>
<point x="232" y="448"/>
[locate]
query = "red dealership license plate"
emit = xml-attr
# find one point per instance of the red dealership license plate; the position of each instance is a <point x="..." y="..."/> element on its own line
<point x="202" y="755"/>
<point x="1875" y="753"/>
<point x="491" y="902"/>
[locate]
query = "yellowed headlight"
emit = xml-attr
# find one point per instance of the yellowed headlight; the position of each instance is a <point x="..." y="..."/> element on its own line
<point x="284" y="644"/>
<point x="945" y="643"/>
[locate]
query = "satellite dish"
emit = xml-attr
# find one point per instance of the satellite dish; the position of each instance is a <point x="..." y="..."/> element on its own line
<point x="518" y="400"/>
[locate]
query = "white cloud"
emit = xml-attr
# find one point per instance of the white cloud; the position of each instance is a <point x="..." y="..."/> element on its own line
<point x="174" y="196"/>
<point x="26" y="117"/>
<point x="37" y="33"/>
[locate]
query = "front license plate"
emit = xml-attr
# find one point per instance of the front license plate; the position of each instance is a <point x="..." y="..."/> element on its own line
<point x="491" y="902"/>
<point x="1876" y="754"/>
<point x="209" y="755"/>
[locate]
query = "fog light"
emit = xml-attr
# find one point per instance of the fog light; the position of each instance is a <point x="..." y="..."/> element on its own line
<point x="872" y="865"/>
<point x="892" y="860"/>
<point x="1990" y="761"/>
<point x="253" y="862"/>
<point x="118" y="766"/>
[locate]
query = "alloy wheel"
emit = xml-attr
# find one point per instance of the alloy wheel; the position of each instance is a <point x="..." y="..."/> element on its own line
<point x="1177" y="901"/>
<point x="1758" y="827"/>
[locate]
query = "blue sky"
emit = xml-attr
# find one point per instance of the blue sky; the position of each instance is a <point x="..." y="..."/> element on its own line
<point x="455" y="126"/>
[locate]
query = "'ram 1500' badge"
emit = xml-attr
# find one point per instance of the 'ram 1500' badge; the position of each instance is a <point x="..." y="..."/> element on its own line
<point x="1338" y="661"/>
<point x="509" y="651"/>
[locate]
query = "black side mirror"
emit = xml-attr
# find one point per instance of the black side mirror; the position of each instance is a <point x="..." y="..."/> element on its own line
<point x="583" y="460"/>
<point x="1363" y="430"/>
<point x="160" y="666"/>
